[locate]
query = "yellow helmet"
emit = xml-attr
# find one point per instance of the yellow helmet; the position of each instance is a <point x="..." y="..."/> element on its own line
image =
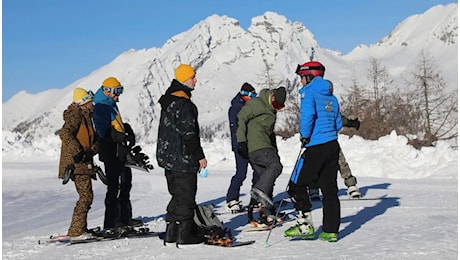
<point x="81" y="96"/>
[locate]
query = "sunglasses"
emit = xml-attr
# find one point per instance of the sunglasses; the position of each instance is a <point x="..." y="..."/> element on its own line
<point x="276" y="105"/>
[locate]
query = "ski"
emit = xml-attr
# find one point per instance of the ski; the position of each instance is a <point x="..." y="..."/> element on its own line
<point x="122" y="236"/>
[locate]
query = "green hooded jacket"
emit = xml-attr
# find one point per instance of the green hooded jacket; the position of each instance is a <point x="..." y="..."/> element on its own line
<point x="256" y="122"/>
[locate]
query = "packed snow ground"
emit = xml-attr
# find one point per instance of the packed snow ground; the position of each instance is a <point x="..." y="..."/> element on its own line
<point x="418" y="219"/>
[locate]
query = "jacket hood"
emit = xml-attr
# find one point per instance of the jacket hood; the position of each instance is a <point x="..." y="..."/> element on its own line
<point x="175" y="87"/>
<point x="264" y="95"/>
<point x="321" y="86"/>
<point x="100" y="97"/>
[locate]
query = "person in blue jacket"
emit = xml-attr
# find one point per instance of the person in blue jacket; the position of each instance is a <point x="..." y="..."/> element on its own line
<point x="320" y="122"/>
<point x="233" y="204"/>
<point x="116" y="139"/>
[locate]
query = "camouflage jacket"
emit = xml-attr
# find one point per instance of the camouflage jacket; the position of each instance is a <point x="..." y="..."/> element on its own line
<point x="178" y="145"/>
<point x="77" y="135"/>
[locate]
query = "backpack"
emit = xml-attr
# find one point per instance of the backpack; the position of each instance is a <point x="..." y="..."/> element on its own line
<point x="209" y="225"/>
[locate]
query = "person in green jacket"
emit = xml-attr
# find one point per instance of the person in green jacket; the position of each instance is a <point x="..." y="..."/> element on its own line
<point x="257" y="141"/>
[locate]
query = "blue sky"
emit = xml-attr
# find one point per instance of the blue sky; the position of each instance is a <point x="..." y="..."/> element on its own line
<point x="52" y="43"/>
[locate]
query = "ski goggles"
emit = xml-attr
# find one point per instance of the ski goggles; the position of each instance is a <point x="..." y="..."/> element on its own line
<point x="248" y="94"/>
<point x="276" y="105"/>
<point x="116" y="91"/>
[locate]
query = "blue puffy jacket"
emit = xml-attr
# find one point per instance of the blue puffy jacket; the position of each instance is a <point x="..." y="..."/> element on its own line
<point x="319" y="112"/>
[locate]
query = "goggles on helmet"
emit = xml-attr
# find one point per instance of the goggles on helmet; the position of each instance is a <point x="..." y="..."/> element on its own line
<point x="249" y="94"/>
<point x="116" y="91"/>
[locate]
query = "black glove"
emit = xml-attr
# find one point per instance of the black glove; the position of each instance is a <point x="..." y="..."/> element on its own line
<point x="304" y="141"/>
<point x="243" y="149"/>
<point x="78" y="158"/>
<point x="131" y="138"/>
<point x="84" y="156"/>
<point x="354" y="123"/>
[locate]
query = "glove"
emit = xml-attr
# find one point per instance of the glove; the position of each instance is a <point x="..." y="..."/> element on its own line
<point x="131" y="138"/>
<point x="243" y="149"/>
<point x="79" y="157"/>
<point x="304" y="141"/>
<point x="84" y="156"/>
<point x="354" y="123"/>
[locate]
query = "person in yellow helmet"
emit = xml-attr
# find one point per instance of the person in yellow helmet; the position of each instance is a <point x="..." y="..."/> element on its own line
<point x="116" y="138"/>
<point x="79" y="145"/>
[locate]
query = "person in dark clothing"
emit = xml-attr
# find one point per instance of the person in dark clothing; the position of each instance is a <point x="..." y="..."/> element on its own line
<point x="116" y="140"/>
<point x="320" y="122"/>
<point x="180" y="153"/>
<point x="257" y="141"/>
<point x="233" y="204"/>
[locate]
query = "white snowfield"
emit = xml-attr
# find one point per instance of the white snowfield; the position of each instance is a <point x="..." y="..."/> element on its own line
<point x="418" y="219"/>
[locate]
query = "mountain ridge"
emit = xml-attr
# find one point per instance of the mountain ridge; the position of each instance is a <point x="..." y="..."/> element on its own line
<point x="225" y="56"/>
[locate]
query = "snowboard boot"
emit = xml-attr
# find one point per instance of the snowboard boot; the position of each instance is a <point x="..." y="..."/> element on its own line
<point x="304" y="227"/>
<point x="263" y="198"/>
<point x="171" y="233"/>
<point x="329" y="237"/>
<point x="314" y="194"/>
<point x="186" y="233"/>
<point x="353" y="192"/>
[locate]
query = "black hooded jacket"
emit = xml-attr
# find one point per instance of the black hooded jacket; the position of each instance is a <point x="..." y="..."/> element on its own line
<point x="178" y="145"/>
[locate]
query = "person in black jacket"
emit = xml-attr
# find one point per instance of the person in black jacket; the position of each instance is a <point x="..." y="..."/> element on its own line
<point x="116" y="140"/>
<point x="180" y="153"/>
<point x="233" y="204"/>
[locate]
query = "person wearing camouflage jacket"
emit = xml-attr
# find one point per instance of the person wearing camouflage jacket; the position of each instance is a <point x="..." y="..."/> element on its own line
<point x="180" y="153"/>
<point x="79" y="145"/>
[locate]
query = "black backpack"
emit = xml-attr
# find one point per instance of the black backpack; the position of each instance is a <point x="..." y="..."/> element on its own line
<point x="209" y="225"/>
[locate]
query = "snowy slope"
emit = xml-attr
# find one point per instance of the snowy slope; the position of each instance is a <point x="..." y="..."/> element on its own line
<point x="417" y="220"/>
<point x="226" y="56"/>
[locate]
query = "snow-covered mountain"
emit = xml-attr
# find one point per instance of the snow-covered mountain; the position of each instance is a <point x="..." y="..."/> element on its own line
<point x="225" y="56"/>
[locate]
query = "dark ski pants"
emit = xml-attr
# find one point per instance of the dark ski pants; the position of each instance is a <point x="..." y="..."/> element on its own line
<point x="84" y="188"/>
<point x="267" y="163"/>
<point x="237" y="180"/>
<point x="320" y="164"/>
<point x="182" y="187"/>
<point x="118" y="209"/>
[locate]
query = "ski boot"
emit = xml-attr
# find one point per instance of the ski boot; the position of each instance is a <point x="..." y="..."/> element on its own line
<point x="353" y="192"/>
<point x="329" y="237"/>
<point x="234" y="207"/>
<point x="304" y="227"/>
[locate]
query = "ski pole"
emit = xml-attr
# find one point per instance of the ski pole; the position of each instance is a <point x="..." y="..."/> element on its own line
<point x="284" y="195"/>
